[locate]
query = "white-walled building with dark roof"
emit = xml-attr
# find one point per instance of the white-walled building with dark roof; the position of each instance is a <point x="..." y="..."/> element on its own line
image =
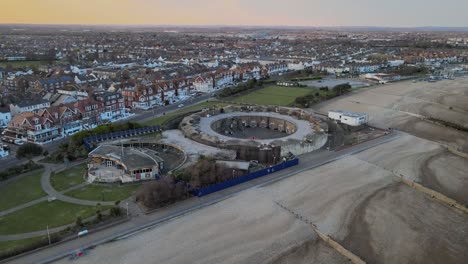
<point x="110" y="163"/>
<point x="349" y="118"/>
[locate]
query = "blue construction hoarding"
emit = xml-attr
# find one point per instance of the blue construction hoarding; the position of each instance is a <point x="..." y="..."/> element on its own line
<point x="223" y="185"/>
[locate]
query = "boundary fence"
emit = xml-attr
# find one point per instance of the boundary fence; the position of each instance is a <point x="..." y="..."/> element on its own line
<point x="223" y="185"/>
<point x="88" y="141"/>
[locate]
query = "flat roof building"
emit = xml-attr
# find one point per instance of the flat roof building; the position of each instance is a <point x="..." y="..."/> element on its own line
<point x="110" y="163"/>
<point x="349" y="118"/>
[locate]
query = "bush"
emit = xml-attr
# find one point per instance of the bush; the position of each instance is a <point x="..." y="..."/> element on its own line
<point x="79" y="222"/>
<point x="115" y="211"/>
<point x="19" y="169"/>
<point x="162" y="192"/>
<point x="29" y="150"/>
<point x="99" y="215"/>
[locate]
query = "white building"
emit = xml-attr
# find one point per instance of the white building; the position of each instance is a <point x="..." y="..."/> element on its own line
<point x="349" y="118"/>
<point x="204" y="85"/>
<point x="296" y="66"/>
<point x="3" y="152"/>
<point x="5" y="117"/>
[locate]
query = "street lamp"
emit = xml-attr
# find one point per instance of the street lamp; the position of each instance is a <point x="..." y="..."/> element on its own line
<point x="48" y="234"/>
<point x="127" y="208"/>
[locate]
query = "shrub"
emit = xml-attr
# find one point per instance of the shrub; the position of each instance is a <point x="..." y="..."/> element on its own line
<point x="19" y="169"/>
<point x="115" y="211"/>
<point x="79" y="222"/>
<point x="29" y="150"/>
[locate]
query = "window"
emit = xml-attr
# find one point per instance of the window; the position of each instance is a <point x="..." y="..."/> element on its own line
<point x="109" y="163"/>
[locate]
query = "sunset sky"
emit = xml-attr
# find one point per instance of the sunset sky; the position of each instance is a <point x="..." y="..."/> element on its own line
<point x="238" y="12"/>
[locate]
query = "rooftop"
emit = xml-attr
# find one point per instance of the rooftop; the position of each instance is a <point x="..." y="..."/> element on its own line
<point x="348" y="113"/>
<point x="132" y="158"/>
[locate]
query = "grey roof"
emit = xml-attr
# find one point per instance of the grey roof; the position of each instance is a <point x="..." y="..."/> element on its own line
<point x="24" y="103"/>
<point x="132" y="158"/>
<point x="348" y="113"/>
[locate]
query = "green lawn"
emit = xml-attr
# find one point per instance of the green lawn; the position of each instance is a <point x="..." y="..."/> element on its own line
<point x="6" y="246"/>
<point x="104" y="193"/>
<point x="37" y="217"/>
<point x="163" y="119"/>
<point x="68" y="178"/>
<point x="274" y="95"/>
<point x="21" y="64"/>
<point x="22" y="190"/>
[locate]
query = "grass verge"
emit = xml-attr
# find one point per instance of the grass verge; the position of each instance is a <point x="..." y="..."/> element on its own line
<point x="68" y="178"/>
<point x="22" y="190"/>
<point x="274" y="95"/>
<point x="104" y="193"/>
<point x="39" y="216"/>
<point x="6" y="246"/>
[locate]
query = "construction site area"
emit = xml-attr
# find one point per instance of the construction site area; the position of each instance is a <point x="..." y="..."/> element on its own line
<point x="401" y="199"/>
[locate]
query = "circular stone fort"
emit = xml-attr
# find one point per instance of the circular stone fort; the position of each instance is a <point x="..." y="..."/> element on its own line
<point x="257" y="133"/>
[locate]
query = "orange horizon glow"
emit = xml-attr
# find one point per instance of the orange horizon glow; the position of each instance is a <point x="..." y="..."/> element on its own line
<point x="237" y="12"/>
<point x="134" y="12"/>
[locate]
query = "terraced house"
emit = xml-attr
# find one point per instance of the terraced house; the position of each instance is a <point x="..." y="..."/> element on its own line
<point x="33" y="128"/>
<point x="53" y="84"/>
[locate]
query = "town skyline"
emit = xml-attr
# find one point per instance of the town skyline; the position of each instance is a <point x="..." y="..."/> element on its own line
<point x="296" y="13"/>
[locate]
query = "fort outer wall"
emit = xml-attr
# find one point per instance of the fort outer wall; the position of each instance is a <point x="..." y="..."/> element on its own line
<point x="298" y="148"/>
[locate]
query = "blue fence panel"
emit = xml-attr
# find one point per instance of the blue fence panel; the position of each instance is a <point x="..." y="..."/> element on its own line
<point x="223" y="185"/>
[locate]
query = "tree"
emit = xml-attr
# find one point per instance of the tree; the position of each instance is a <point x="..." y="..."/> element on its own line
<point x="79" y="222"/>
<point x="28" y="151"/>
<point x="342" y="88"/>
<point x="115" y="211"/>
<point x="99" y="215"/>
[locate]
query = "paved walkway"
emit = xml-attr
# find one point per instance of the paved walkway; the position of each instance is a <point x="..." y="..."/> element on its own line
<point x="47" y="187"/>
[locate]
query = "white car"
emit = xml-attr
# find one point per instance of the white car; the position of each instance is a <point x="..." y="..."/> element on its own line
<point x="180" y="106"/>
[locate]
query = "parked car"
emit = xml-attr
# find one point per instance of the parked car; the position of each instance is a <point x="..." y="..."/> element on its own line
<point x="180" y="106"/>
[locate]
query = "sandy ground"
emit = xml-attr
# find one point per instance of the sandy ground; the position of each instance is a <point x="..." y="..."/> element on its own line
<point x="400" y="105"/>
<point x="425" y="162"/>
<point x="313" y="251"/>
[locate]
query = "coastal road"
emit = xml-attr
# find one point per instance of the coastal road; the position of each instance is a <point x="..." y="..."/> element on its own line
<point x="140" y="223"/>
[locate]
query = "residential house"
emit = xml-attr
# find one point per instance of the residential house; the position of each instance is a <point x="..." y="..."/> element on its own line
<point x="113" y="105"/>
<point x="64" y="116"/>
<point x="204" y="84"/>
<point x="5" y="116"/>
<point x="90" y="112"/>
<point x="53" y="84"/>
<point x="33" y="128"/>
<point x="33" y="105"/>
